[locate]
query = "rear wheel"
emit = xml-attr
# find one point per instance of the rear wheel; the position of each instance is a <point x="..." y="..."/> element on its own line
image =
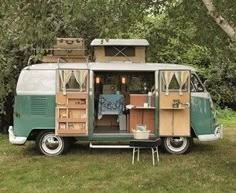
<point x="49" y="144"/>
<point x="177" y="145"/>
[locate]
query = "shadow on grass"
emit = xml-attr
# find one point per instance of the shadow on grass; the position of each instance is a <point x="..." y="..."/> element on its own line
<point x="203" y="147"/>
<point x="30" y="149"/>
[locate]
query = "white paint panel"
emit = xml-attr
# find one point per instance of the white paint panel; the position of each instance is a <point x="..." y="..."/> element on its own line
<point x="37" y="82"/>
<point x="119" y="42"/>
<point x="201" y="94"/>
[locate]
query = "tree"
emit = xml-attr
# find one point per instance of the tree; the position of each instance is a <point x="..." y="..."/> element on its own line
<point x="226" y="26"/>
<point x="218" y="64"/>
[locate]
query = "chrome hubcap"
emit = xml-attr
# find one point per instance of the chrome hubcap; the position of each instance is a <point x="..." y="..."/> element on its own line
<point x="52" y="144"/>
<point x="177" y="144"/>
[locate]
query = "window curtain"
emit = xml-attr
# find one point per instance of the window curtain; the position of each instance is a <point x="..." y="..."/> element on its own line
<point x="65" y="76"/>
<point x="181" y="77"/>
<point x="81" y="76"/>
<point x="167" y="77"/>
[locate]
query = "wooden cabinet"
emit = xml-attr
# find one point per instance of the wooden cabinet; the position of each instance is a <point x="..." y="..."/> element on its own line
<point x="174" y="121"/>
<point x="72" y="114"/>
<point x="140" y="115"/>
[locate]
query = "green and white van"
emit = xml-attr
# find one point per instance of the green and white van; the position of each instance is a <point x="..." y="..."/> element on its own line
<point x="105" y="102"/>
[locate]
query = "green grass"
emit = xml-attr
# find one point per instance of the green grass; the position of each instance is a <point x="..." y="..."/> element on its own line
<point x="227" y="117"/>
<point x="210" y="167"/>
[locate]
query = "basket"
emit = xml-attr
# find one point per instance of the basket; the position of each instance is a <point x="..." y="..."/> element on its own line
<point x="141" y="134"/>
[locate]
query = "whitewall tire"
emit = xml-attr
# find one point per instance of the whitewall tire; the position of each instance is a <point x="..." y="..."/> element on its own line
<point x="177" y="145"/>
<point x="49" y="144"/>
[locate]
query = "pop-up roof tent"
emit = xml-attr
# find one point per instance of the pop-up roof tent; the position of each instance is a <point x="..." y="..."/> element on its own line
<point x="125" y="50"/>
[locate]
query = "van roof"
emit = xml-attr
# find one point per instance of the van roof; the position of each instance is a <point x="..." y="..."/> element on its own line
<point x="112" y="66"/>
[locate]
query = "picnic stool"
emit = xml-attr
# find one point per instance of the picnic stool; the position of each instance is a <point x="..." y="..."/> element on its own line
<point x="145" y="143"/>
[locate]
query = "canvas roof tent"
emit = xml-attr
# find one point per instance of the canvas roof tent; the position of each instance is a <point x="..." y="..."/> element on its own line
<point x="116" y="50"/>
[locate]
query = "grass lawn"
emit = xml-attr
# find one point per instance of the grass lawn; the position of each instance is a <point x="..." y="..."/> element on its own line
<point x="210" y="167"/>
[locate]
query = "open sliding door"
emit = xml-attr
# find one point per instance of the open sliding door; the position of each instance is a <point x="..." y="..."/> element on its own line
<point x="72" y="103"/>
<point x="174" y="101"/>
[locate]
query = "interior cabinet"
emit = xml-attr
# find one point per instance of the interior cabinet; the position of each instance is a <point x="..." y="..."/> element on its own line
<point x="140" y="115"/>
<point x="72" y="114"/>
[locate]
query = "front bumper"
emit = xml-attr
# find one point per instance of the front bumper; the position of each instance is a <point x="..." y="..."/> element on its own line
<point x="218" y="134"/>
<point x="14" y="139"/>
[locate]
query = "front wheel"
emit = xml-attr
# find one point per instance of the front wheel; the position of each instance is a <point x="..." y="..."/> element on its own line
<point x="177" y="145"/>
<point x="49" y="144"/>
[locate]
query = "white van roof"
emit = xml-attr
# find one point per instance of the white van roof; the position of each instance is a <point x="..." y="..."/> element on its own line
<point x="114" y="66"/>
<point x="40" y="79"/>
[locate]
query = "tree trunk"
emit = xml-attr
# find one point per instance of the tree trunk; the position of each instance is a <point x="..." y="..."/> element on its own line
<point x="221" y="21"/>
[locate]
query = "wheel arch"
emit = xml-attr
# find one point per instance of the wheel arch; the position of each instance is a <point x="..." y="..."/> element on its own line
<point x="193" y="132"/>
<point x="36" y="131"/>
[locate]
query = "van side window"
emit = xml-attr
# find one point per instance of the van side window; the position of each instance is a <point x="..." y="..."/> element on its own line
<point x="196" y="85"/>
<point x="141" y="82"/>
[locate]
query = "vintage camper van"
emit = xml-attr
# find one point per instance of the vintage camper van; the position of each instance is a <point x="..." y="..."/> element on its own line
<point x="106" y="101"/>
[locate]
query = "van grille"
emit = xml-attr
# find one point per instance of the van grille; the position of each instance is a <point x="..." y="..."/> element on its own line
<point x="38" y="105"/>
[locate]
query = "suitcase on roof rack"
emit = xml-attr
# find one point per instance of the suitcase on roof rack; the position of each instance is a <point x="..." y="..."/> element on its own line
<point x="69" y="47"/>
<point x="69" y="43"/>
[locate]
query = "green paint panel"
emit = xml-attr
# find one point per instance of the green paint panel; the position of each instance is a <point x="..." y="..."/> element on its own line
<point x="202" y="120"/>
<point x="33" y="112"/>
<point x="91" y="116"/>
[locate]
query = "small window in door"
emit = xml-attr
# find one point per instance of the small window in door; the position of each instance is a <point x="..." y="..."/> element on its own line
<point x="73" y="80"/>
<point x="174" y="81"/>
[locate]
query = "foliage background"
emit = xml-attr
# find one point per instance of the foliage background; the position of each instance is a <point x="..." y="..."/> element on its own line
<point x="179" y="31"/>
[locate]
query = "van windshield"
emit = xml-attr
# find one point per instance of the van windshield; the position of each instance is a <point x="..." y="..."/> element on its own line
<point x="196" y="85"/>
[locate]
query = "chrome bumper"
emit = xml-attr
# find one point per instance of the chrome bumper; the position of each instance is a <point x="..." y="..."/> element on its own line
<point x="15" y="140"/>
<point x="218" y="134"/>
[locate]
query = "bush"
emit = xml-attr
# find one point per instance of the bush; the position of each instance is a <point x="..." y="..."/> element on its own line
<point x="226" y="113"/>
